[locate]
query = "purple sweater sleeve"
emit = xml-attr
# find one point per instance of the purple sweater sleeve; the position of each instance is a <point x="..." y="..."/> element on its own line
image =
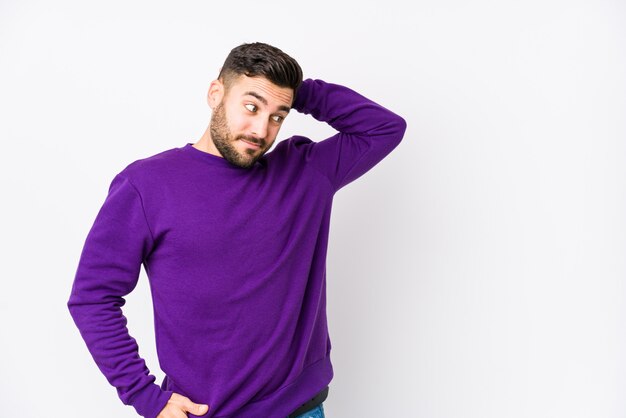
<point x="367" y="132"/>
<point x="109" y="268"/>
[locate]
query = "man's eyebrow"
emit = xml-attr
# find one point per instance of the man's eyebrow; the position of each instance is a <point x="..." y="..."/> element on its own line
<point x="264" y="101"/>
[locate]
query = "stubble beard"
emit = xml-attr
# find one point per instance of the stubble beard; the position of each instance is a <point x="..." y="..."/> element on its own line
<point x="224" y="141"/>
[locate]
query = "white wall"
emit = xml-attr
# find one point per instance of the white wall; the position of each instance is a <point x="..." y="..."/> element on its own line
<point x="476" y="272"/>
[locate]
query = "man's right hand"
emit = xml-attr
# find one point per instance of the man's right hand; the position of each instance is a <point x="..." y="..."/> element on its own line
<point x="179" y="405"/>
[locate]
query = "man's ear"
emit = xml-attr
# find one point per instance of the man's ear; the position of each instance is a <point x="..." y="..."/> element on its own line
<point x="215" y="94"/>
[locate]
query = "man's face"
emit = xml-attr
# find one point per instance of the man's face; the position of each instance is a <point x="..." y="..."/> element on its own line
<point x="246" y="121"/>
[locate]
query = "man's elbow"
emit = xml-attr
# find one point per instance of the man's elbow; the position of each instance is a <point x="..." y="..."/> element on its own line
<point x="398" y="127"/>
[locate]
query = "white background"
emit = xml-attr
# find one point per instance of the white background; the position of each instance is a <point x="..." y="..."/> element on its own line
<point x="478" y="271"/>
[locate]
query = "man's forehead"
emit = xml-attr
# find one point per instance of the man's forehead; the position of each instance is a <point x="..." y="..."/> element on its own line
<point x="262" y="88"/>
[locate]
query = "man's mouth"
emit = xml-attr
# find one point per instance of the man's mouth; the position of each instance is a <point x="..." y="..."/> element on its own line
<point x="252" y="144"/>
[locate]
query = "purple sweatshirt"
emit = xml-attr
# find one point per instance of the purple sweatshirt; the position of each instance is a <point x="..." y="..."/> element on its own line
<point x="236" y="262"/>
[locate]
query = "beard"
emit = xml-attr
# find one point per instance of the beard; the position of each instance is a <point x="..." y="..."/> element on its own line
<point x="224" y="141"/>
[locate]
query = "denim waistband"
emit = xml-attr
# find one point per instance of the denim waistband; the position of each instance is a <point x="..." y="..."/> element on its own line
<point x="315" y="401"/>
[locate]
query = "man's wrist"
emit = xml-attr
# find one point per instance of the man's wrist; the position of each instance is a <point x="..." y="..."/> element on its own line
<point x="151" y="400"/>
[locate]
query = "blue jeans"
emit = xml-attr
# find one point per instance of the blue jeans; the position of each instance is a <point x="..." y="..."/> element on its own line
<point x="317" y="412"/>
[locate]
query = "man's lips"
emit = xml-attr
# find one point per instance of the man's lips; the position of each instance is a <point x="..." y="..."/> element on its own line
<point x="252" y="144"/>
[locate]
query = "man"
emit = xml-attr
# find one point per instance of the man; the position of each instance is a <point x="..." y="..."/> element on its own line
<point x="233" y="240"/>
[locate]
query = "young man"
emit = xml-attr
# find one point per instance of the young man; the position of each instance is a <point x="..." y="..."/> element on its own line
<point x="233" y="240"/>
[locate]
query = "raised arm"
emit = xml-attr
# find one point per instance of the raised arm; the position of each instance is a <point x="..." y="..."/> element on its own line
<point x="109" y="268"/>
<point x="367" y="132"/>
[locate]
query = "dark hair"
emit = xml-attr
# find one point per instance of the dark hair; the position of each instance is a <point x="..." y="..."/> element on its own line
<point x="259" y="59"/>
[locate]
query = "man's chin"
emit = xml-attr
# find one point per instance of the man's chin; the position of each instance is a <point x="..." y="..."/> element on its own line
<point x="244" y="160"/>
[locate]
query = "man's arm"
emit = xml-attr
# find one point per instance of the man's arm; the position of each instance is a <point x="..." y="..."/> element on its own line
<point x="109" y="268"/>
<point x="367" y="132"/>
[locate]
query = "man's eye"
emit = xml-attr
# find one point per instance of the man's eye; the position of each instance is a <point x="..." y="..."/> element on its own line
<point x="278" y="118"/>
<point x="251" y="107"/>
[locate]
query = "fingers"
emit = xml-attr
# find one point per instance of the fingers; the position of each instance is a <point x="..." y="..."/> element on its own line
<point x="178" y="405"/>
<point x="172" y="411"/>
<point x="194" y="408"/>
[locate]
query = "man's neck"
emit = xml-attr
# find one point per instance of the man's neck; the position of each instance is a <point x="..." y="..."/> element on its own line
<point x="205" y="144"/>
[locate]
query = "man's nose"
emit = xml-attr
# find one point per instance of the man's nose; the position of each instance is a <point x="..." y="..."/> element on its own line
<point x="259" y="127"/>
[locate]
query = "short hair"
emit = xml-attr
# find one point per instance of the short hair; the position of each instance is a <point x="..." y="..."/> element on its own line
<point x="260" y="59"/>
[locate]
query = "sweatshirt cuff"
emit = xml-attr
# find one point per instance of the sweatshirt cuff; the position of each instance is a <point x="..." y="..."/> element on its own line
<point x="151" y="400"/>
<point x="302" y="95"/>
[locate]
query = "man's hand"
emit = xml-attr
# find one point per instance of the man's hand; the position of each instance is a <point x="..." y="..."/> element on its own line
<point x="179" y="405"/>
